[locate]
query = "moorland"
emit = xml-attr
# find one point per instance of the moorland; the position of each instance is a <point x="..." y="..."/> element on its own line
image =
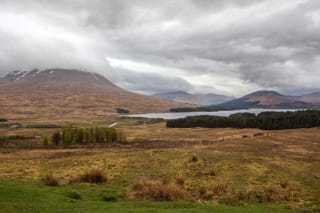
<point x="159" y="169"/>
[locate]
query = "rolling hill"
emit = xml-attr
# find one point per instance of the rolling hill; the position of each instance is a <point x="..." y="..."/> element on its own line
<point x="66" y="93"/>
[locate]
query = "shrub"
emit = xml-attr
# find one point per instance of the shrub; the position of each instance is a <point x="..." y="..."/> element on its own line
<point x="50" y="180"/>
<point x="92" y="176"/>
<point x="45" y="126"/>
<point x="19" y="137"/>
<point x="109" y="198"/>
<point x="3" y="138"/>
<point x="138" y="140"/>
<point x="74" y="195"/>
<point x="194" y="158"/>
<point x="157" y="191"/>
<point x="284" y="183"/>
<point x="121" y="110"/>
<point x="212" y="173"/>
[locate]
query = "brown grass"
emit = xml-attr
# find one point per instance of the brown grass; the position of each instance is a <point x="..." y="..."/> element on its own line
<point x="275" y="193"/>
<point x="180" y="180"/>
<point x="50" y="180"/>
<point x="153" y="190"/>
<point x="216" y="190"/>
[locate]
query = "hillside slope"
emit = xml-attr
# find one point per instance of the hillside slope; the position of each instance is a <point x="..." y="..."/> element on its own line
<point x="65" y="94"/>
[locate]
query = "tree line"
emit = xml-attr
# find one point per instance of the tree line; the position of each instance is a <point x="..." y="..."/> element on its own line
<point x="244" y="105"/>
<point x="70" y="135"/>
<point x="3" y="120"/>
<point x="264" y="120"/>
<point x="14" y="137"/>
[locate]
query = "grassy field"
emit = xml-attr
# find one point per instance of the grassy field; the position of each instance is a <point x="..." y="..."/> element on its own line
<point x="198" y="170"/>
<point x="34" y="197"/>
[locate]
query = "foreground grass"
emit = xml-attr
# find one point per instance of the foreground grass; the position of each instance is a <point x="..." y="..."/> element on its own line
<point x="17" y="196"/>
<point x="277" y="172"/>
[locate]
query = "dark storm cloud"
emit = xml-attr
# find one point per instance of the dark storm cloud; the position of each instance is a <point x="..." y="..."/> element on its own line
<point x="229" y="47"/>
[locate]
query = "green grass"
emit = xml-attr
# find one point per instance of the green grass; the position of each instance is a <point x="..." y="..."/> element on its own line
<point x="17" y="196"/>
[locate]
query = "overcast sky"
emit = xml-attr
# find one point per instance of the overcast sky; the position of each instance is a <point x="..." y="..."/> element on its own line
<point x="229" y="47"/>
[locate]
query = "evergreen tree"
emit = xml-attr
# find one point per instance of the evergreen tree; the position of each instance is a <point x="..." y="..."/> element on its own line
<point x="45" y="140"/>
<point x="56" y="138"/>
<point x="67" y="135"/>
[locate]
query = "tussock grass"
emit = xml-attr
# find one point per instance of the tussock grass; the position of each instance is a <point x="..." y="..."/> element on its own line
<point x="50" y="180"/>
<point x="154" y="190"/>
<point x="180" y="180"/>
<point x="216" y="190"/>
<point x="275" y="193"/>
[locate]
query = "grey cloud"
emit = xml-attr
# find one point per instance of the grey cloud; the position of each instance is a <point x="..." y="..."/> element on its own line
<point x="148" y="83"/>
<point x="276" y="47"/>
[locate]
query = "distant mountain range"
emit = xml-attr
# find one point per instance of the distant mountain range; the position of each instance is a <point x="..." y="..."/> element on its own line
<point x="262" y="99"/>
<point x="198" y="99"/>
<point x="67" y="93"/>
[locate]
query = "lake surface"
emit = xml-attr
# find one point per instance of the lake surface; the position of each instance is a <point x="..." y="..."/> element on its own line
<point x="175" y="115"/>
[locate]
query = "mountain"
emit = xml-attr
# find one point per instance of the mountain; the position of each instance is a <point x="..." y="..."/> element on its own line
<point x="198" y="99"/>
<point x="310" y="98"/>
<point x="67" y="93"/>
<point x="270" y="99"/>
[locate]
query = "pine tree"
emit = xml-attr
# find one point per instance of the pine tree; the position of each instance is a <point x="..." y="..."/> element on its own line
<point x="56" y="138"/>
<point x="45" y="140"/>
<point x="67" y="135"/>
